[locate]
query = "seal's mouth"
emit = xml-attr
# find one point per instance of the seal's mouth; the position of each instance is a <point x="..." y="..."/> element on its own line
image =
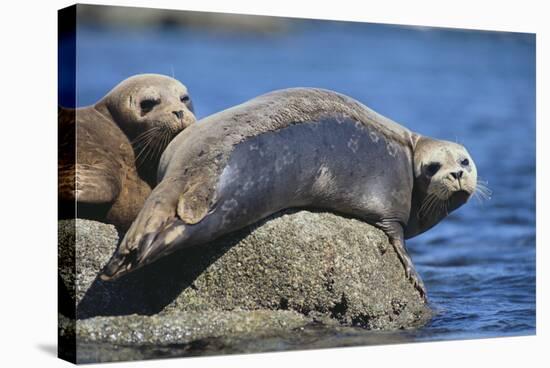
<point x="458" y="198"/>
<point x="461" y="195"/>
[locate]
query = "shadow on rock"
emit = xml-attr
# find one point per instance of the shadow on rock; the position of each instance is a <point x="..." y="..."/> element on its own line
<point x="150" y="289"/>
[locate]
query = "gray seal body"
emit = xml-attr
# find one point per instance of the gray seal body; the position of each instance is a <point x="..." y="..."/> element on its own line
<point x="328" y="164"/>
<point x="298" y="147"/>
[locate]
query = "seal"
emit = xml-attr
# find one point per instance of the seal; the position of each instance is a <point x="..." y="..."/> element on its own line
<point x="119" y="141"/>
<point x="296" y="148"/>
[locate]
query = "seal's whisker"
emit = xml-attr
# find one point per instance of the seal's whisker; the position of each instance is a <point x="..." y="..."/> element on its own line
<point x="483" y="185"/>
<point x="482" y="196"/>
<point x="160" y="143"/>
<point x="149" y="153"/>
<point x="167" y="139"/>
<point x="145" y="151"/>
<point x="433" y="207"/>
<point x="436" y="208"/>
<point x="477" y="197"/>
<point x="157" y="144"/>
<point x="426" y="205"/>
<point x="144" y="144"/>
<point x="483" y="191"/>
<point x="442" y="208"/>
<point x="142" y="147"/>
<point x="145" y="135"/>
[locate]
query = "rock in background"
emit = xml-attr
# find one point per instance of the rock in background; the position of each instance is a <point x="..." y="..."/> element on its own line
<point x="315" y="266"/>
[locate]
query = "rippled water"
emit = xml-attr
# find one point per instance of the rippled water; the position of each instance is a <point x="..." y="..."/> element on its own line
<point x="477" y="88"/>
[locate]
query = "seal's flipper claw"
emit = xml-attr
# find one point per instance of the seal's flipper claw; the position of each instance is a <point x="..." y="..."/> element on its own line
<point x="418" y="284"/>
<point x="159" y="244"/>
<point x="123" y="262"/>
<point x="117" y="266"/>
<point x="411" y="273"/>
<point x="152" y="246"/>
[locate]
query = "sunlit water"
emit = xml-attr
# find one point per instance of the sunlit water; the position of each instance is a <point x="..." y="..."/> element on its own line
<point x="477" y="88"/>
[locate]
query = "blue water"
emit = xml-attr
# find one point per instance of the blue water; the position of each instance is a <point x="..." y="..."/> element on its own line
<point x="477" y="88"/>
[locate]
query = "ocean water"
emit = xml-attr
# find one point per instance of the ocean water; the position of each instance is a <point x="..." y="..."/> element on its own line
<point x="476" y="88"/>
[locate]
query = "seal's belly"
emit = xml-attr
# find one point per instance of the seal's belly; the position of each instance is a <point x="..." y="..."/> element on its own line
<point x="338" y="165"/>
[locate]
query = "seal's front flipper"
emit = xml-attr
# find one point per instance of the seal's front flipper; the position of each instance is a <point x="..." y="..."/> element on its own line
<point x="150" y="247"/>
<point x="96" y="184"/>
<point x="194" y="203"/>
<point x="410" y="271"/>
<point x="394" y="231"/>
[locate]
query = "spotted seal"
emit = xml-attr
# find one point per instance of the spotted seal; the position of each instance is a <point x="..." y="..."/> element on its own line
<point x="297" y="147"/>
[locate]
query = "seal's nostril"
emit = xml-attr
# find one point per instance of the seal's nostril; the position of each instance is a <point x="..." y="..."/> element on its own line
<point x="458" y="174"/>
<point x="178" y="113"/>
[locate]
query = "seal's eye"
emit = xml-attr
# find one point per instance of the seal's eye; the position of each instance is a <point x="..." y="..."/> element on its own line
<point x="148" y="104"/>
<point x="433" y="168"/>
<point x="465" y="162"/>
<point x="187" y="101"/>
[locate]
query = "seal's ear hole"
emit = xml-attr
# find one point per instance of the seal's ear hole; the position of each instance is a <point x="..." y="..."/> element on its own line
<point x="148" y="104"/>
<point x="432" y="168"/>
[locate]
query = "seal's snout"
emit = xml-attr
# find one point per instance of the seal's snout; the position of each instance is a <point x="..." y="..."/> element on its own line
<point x="457" y="174"/>
<point x="178" y="113"/>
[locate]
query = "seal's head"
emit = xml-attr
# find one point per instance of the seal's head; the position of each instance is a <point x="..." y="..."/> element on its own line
<point x="150" y="109"/>
<point x="147" y="102"/>
<point x="445" y="178"/>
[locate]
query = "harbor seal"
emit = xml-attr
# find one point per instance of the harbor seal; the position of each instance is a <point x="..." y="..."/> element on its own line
<point x="302" y="148"/>
<point x="109" y="152"/>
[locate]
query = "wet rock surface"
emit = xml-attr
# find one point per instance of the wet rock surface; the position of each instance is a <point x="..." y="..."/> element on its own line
<point x="288" y="271"/>
<point x="185" y="327"/>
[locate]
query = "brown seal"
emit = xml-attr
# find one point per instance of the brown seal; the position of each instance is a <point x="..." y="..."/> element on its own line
<point x="109" y="152"/>
<point x="293" y="148"/>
